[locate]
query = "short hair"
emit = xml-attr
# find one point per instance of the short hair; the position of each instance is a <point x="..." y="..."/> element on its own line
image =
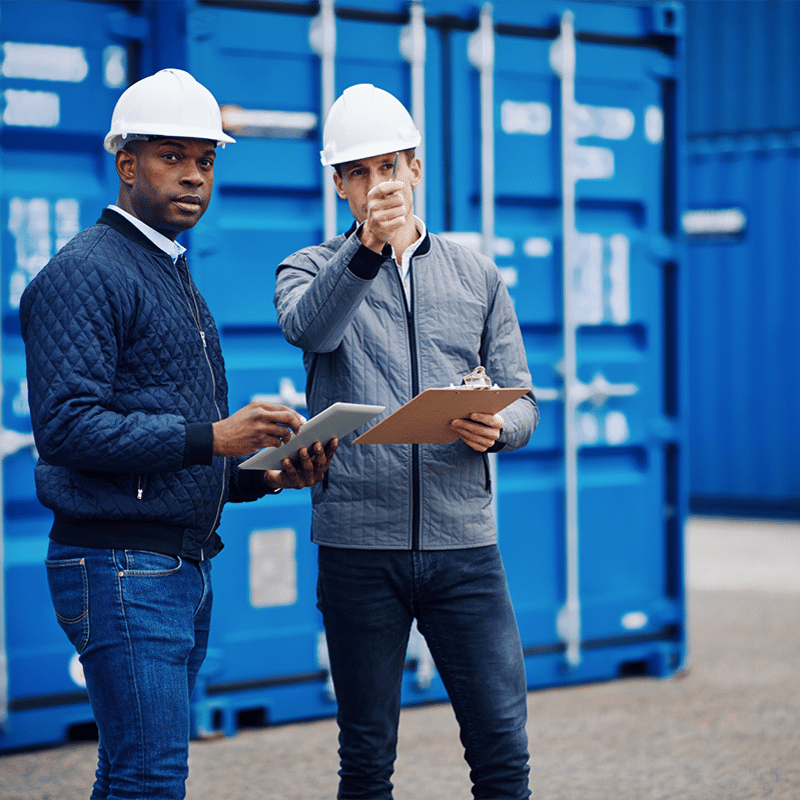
<point x="409" y="154"/>
<point x="137" y="137"/>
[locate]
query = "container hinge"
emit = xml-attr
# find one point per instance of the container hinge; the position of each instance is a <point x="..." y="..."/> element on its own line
<point x="668" y="18"/>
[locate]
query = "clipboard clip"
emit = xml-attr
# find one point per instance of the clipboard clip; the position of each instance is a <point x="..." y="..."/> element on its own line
<point x="477" y="379"/>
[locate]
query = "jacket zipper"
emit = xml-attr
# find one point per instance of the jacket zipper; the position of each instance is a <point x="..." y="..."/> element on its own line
<point x="415" y="466"/>
<point x="195" y="312"/>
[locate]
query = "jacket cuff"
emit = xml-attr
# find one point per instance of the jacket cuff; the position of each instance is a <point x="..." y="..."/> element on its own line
<point x="366" y="263"/>
<point x="199" y="446"/>
<point x="251" y="483"/>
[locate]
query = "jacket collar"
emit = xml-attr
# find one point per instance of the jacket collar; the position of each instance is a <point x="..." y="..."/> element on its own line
<point x="128" y="230"/>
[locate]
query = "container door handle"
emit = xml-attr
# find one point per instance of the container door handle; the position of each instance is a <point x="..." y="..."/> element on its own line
<point x="598" y="390"/>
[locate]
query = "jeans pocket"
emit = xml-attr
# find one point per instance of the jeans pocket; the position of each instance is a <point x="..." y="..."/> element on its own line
<point x="143" y="562"/>
<point x="69" y="591"/>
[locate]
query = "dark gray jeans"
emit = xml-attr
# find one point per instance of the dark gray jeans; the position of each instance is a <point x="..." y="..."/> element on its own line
<point x="460" y="599"/>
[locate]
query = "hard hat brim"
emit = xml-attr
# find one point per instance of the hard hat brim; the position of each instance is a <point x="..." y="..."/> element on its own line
<point x="114" y="139"/>
<point x="367" y="150"/>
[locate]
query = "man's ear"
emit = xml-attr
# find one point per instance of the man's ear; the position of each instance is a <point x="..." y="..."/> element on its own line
<point x="125" y="162"/>
<point x="415" y="165"/>
<point x="339" y="183"/>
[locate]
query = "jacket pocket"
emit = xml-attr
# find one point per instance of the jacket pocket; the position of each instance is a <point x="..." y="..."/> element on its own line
<point x="69" y="590"/>
<point x="487" y="470"/>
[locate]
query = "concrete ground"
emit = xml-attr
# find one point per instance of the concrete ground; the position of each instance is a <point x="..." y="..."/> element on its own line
<point x="727" y="729"/>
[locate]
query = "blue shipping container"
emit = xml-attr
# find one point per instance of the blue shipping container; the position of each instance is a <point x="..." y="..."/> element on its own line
<point x="743" y="122"/>
<point x="744" y="368"/>
<point x="524" y="160"/>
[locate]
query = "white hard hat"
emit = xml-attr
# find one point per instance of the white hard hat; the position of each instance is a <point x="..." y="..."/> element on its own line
<point x="366" y="121"/>
<point x="169" y="103"/>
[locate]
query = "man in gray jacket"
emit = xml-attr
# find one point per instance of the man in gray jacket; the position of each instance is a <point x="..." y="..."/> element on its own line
<point x="407" y="531"/>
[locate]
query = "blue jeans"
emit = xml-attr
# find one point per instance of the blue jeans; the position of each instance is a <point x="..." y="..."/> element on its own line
<point x="139" y="622"/>
<point x="460" y="599"/>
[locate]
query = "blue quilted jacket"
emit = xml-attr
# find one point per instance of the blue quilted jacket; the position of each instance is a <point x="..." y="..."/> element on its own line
<point x="125" y="377"/>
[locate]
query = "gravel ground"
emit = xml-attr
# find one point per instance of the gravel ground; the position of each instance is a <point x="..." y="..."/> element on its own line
<point x="727" y="729"/>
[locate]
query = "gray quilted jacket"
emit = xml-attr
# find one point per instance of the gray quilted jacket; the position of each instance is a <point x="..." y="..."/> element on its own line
<point x="345" y="307"/>
<point x="123" y="393"/>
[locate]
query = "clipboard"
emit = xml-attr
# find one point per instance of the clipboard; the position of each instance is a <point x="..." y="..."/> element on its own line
<point x="426" y="418"/>
<point x="336" y="421"/>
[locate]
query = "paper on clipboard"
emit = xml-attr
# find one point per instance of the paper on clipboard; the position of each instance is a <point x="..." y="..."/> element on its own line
<point x="335" y="421"/>
<point x="426" y="418"/>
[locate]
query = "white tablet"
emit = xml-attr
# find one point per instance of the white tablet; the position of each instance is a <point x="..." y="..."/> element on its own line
<point x="335" y="421"/>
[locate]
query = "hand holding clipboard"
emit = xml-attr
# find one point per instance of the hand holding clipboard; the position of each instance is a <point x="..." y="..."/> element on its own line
<point x="426" y="418"/>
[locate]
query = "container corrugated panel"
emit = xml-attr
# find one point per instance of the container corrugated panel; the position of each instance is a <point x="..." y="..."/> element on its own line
<point x="742" y="65"/>
<point x="64" y="64"/>
<point x="744" y="368"/>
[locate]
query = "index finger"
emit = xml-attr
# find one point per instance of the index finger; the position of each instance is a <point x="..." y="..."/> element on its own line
<point x="490" y="420"/>
<point x="282" y="416"/>
<point x="385" y="189"/>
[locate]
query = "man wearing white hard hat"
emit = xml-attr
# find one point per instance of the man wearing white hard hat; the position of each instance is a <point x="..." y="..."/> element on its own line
<point x="383" y="312"/>
<point x="137" y="451"/>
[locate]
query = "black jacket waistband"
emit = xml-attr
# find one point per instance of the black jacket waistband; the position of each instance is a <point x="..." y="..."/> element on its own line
<point x="118" y="535"/>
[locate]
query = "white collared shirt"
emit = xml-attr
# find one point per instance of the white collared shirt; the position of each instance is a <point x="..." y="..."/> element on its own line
<point x="172" y="249"/>
<point x="403" y="267"/>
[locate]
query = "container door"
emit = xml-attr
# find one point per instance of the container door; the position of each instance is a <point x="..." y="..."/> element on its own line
<point x="596" y="577"/>
<point x="62" y="67"/>
<point x="271" y="70"/>
<point x="262" y="664"/>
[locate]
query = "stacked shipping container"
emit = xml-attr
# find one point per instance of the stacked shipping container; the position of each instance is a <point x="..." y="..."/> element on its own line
<point x="743" y="122"/>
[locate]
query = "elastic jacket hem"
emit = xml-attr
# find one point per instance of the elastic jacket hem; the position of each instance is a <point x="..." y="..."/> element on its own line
<point x="155" y="537"/>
